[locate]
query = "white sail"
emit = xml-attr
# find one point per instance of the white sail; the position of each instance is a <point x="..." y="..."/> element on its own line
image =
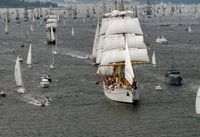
<point x="18" y="74"/>
<point x="117" y="41"/>
<point x="52" y="34"/>
<point x="129" y="75"/>
<point x="105" y="70"/>
<point x="95" y="44"/>
<point x="73" y="32"/>
<point x="154" y="58"/>
<point x="121" y="25"/>
<point x="32" y="28"/>
<point x="189" y="29"/>
<point x="198" y="102"/>
<point x="6" y="27"/>
<point x="29" y="57"/>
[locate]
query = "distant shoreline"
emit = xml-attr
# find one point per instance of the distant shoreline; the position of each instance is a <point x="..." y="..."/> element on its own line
<point x="23" y="4"/>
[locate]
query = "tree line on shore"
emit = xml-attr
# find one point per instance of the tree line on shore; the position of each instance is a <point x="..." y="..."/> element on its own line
<point x="23" y="4"/>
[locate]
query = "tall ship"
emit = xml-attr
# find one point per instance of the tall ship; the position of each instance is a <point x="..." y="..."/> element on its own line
<point x="118" y="47"/>
<point x="51" y="27"/>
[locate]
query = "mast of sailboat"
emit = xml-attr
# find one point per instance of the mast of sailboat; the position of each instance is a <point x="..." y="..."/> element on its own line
<point x="122" y="5"/>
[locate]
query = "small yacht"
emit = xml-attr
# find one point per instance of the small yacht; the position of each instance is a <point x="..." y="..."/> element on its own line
<point x="45" y="81"/>
<point x="2" y="93"/>
<point x="161" y="40"/>
<point x="173" y="76"/>
<point x="41" y="102"/>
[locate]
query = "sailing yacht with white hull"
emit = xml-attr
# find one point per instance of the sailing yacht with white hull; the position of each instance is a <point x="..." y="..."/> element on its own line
<point x="6" y="27"/>
<point x="18" y="77"/>
<point x="120" y="47"/>
<point x="29" y="57"/>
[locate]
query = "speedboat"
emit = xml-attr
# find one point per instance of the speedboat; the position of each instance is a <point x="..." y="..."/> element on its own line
<point x="45" y="82"/>
<point x="41" y="102"/>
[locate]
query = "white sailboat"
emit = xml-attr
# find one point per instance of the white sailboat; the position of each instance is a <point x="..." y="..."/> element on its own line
<point x="73" y="34"/>
<point x="6" y="27"/>
<point x="189" y="29"/>
<point x="31" y="27"/>
<point x="159" y="87"/>
<point x="198" y="102"/>
<point x="29" y="57"/>
<point x="18" y="77"/>
<point x="120" y="45"/>
<point x="52" y="35"/>
<point x="154" y="59"/>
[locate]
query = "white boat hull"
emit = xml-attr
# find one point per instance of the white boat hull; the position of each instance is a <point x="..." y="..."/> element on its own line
<point x="44" y="84"/>
<point x="122" y="95"/>
<point x="21" y="90"/>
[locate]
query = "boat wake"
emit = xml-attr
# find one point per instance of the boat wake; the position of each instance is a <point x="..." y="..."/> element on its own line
<point x="75" y="54"/>
<point x="28" y="98"/>
<point x="4" y="43"/>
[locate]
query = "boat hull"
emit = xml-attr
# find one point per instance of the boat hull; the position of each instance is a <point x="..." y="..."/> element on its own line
<point x="21" y="90"/>
<point x="44" y="84"/>
<point x="174" y="81"/>
<point x="122" y="95"/>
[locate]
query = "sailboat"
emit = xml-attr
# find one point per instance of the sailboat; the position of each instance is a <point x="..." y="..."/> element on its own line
<point x="198" y="102"/>
<point x="120" y="47"/>
<point x="32" y="28"/>
<point x="159" y="87"/>
<point x="52" y="35"/>
<point x="189" y="29"/>
<point x="52" y="66"/>
<point x="29" y="57"/>
<point x="6" y="27"/>
<point x="154" y="59"/>
<point x="18" y="77"/>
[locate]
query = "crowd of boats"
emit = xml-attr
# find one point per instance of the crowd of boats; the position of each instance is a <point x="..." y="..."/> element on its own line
<point x="118" y="47"/>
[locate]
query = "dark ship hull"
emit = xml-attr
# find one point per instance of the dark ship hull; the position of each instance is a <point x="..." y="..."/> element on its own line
<point x="176" y="81"/>
<point x="173" y="77"/>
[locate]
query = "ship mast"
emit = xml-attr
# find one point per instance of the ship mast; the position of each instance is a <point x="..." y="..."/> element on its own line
<point x="122" y="5"/>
